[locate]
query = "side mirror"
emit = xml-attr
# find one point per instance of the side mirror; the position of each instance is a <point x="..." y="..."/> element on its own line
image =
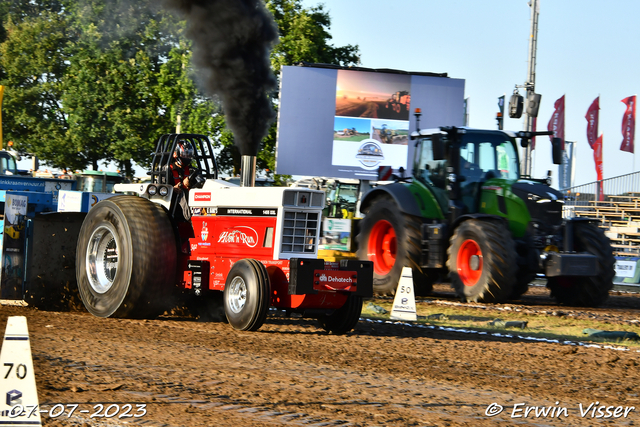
<point x="437" y="145"/>
<point x="556" y="151"/>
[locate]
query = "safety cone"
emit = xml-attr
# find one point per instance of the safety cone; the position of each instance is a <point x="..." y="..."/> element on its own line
<point x="19" y="404"/>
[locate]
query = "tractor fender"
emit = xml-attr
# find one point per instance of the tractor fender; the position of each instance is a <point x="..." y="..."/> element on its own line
<point x="465" y="217"/>
<point x="400" y="193"/>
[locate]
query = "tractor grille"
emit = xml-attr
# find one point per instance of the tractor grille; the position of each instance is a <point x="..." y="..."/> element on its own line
<point x="300" y="232"/>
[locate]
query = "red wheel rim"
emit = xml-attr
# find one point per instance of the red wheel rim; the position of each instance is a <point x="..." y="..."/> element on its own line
<point x="382" y="247"/>
<point x="469" y="254"/>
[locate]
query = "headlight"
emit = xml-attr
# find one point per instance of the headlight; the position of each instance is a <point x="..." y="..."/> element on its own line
<point x="163" y="191"/>
<point x="152" y="190"/>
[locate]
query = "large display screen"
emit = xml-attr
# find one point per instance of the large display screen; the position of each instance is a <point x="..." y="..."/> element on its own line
<point x="345" y="123"/>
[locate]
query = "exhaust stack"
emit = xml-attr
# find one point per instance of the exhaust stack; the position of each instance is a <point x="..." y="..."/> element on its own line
<point x="248" y="171"/>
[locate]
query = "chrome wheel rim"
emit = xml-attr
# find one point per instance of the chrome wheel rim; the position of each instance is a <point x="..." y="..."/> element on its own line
<point x="237" y="294"/>
<point x="102" y="259"/>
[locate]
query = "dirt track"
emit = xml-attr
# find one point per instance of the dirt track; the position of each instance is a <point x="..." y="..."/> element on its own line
<point x="191" y="373"/>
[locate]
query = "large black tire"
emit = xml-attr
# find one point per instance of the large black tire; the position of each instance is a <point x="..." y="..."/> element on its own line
<point x="391" y="240"/>
<point x="343" y="319"/>
<point x="126" y="259"/>
<point x="482" y="261"/>
<point x="582" y="291"/>
<point x="247" y="295"/>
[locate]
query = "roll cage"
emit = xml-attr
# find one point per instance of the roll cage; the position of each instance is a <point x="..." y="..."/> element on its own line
<point x="204" y="159"/>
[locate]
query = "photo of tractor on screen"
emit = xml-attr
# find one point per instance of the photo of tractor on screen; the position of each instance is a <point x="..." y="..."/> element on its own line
<point x="373" y="95"/>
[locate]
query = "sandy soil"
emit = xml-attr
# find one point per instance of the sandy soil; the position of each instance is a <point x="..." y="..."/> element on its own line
<point x="191" y="373"/>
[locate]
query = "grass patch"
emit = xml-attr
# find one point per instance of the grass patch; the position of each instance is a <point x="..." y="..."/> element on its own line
<point x="540" y="325"/>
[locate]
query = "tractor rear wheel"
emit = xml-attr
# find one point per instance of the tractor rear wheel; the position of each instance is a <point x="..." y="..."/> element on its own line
<point x="247" y="295"/>
<point x="391" y="240"/>
<point x="126" y="258"/>
<point x="482" y="261"/>
<point x="345" y="318"/>
<point x="581" y="291"/>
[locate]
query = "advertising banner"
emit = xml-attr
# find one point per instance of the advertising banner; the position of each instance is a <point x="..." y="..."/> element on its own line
<point x="13" y="246"/>
<point x="628" y="124"/>
<point x="592" y="121"/>
<point x="346" y="123"/>
<point x="556" y="124"/>
<point x="597" y="157"/>
<point x="336" y="234"/>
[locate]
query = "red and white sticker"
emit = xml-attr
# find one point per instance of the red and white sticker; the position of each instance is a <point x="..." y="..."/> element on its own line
<point x="335" y="280"/>
<point x="239" y="234"/>
<point x="202" y="197"/>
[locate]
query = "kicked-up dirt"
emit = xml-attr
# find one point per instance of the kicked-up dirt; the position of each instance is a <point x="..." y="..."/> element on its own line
<point x="175" y="371"/>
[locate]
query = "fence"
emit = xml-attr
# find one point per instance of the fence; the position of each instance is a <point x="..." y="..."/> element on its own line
<point x="623" y="185"/>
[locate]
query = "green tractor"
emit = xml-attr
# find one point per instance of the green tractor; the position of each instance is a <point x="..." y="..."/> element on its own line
<point x="466" y="211"/>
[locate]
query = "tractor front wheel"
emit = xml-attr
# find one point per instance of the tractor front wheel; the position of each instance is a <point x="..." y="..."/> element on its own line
<point x="247" y="295"/>
<point x="391" y="240"/>
<point x="482" y="261"/>
<point x="581" y="291"/>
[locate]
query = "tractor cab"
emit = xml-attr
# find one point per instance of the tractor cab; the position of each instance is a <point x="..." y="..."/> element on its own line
<point x="482" y="156"/>
<point x="7" y="164"/>
<point x="456" y="163"/>
<point x="342" y="198"/>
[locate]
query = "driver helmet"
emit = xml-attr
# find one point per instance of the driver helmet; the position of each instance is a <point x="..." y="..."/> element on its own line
<point x="183" y="153"/>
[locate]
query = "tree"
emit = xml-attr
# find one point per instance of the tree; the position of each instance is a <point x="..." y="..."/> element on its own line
<point x="34" y="64"/>
<point x="100" y="80"/>
<point x="305" y="36"/>
<point x="85" y="84"/>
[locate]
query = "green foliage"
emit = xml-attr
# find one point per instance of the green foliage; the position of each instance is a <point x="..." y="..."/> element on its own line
<point x="304" y="36"/>
<point x="89" y="81"/>
<point x="34" y="63"/>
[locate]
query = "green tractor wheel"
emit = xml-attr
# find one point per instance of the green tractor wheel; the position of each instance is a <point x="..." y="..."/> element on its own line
<point x="482" y="261"/>
<point x="583" y="291"/>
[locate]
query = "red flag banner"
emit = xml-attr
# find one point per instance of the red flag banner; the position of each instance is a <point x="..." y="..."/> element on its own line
<point x="597" y="157"/>
<point x="628" y="124"/>
<point x="556" y="124"/>
<point x="592" y="122"/>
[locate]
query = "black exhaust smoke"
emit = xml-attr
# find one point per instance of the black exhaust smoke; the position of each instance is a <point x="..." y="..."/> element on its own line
<point x="232" y="40"/>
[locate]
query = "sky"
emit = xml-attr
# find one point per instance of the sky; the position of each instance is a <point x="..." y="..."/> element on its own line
<point x="586" y="49"/>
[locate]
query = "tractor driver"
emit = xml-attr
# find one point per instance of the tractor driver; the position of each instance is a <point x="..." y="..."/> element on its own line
<point x="181" y="168"/>
<point x="180" y="165"/>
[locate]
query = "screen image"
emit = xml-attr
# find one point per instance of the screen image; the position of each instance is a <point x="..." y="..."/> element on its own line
<point x="374" y="95"/>
<point x="344" y="123"/>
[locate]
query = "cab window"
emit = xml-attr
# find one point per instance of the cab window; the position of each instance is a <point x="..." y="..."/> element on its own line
<point x="431" y="172"/>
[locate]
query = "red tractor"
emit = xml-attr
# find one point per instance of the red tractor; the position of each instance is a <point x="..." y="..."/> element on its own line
<point x="254" y="247"/>
<point x="399" y="102"/>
